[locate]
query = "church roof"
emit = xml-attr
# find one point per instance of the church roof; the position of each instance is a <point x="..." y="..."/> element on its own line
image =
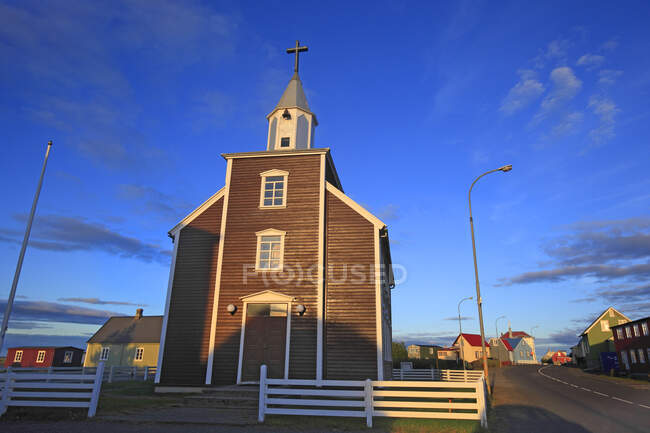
<point x="294" y="95"/>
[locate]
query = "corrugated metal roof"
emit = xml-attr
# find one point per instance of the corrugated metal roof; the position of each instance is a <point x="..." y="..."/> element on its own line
<point x="129" y="330"/>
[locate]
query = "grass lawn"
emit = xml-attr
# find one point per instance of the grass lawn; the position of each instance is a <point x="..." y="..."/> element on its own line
<point x="392" y="425"/>
<point x="120" y="397"/>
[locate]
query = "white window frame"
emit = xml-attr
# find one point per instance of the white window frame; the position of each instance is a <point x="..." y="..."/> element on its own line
<point x="619" y="333"/>
<point x="18" y="356"/>
<point x="624" y="359"/>
<point x="604" y="325"/>
<point x="635" y="327"/>
<point x="269" y="232"/>
<point x="628" y="332"/>
<point x="139" y="350"/>
<point x="644" y="328"/>
<point x="271" y="173"/>
<point x="40" y="357"/>
<point x="66" y="357"/>
<point x="641" y="356"/>
<point x="104" y="353"/>
<point x="632" y="356"/>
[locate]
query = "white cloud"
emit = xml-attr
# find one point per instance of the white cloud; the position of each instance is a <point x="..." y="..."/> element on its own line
<point x="606" y="111"/>
<point x="609" y="76"/>
<point x="612" y="44"/>
<point x="590" y="61"/>
<point x="523" y="93"/>
<point x="568" y="124"/>
<point x="565" y="87"/>
<point x="556" y="51"/>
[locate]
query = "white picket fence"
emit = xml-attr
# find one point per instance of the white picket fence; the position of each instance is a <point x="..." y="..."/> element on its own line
<point x="111" y="374"/>
<point x="438" y="375"/>
<point x="365" y="399"/>
<point x="526" y="362"/>
<point x="51" y="389"/>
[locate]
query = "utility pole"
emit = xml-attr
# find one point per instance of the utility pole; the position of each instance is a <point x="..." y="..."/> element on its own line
<point x="21" y="256"/>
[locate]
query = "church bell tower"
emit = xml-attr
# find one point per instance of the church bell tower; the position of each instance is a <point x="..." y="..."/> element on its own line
<point x="291" y="123"/>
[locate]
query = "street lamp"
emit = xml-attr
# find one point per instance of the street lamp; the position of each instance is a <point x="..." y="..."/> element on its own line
<point x="479" y="301"/>
<point x="496" y="328"/>
<point x="460" y="330"/>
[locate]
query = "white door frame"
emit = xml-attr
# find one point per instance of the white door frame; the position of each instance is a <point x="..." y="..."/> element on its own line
<point x="265" y="297"/>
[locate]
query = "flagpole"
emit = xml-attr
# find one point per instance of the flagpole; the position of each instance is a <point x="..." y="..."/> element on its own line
<point x="21" y="256"/>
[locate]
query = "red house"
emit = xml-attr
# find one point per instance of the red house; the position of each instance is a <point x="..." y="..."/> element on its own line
<point x="32" y="356"/>
<point x="632" y="341"/>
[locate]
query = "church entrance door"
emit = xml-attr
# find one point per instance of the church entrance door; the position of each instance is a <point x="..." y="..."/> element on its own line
<point x="265" y="334"/>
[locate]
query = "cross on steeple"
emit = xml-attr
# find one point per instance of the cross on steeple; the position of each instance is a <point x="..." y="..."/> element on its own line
<point x="298" y="49"/>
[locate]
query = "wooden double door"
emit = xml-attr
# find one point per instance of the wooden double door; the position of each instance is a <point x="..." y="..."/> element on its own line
<point x="265" y="336"/>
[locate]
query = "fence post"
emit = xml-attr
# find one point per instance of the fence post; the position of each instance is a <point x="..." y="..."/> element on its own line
<point x="6" y="389"/>
<point x="433" y="375"/>
<point x="401" y="373"/>
<point x="146" y="373"/>
<point x="97" y="387"/>
<point x="480" y="400"/>
<point x="110" y="374"/>
<point x="263" y="389"/>
<point x="134" y="372"/>
<point x="367" y="399"/>
<point x="464" y="375"/>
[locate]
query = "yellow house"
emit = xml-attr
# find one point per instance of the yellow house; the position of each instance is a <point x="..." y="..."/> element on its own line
<point x="131" y="341"/>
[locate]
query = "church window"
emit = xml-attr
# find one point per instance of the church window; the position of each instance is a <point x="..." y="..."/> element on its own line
<point x="18" y="356"/>
<point x="273" y="192"/>
<point x="285" y="142"/>
<point x="270" y="250"/>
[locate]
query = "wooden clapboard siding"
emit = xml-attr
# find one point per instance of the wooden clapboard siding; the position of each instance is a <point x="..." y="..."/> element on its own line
<point x="350" y="320"/>
<point x="244" y="218"/>
<point x="190" y="310"/>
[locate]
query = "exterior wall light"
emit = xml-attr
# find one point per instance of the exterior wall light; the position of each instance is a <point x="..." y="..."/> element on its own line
<point x="231" y="309"/>
<point x="301" y="309"/>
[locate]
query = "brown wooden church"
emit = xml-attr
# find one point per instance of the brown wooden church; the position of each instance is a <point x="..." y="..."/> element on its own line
<point x="278" y="267"/>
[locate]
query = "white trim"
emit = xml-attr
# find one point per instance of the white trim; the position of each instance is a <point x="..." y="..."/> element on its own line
<point x="265" y="297"/>
<point x="269" y="232"/>
<point x="40" y="360"/>
<point x="170" y="283"/>
<point x="356" y="206"/>
<point x="196" y="212"/>
<point x="601" y="316"/>
<point x="18" y="358"/>
<point x="320" y="308"/>
<point x="285" y="189"/>
<point x="268" y="153"/>
<point x="378" y="312"/>
<point x="217" y="283"/>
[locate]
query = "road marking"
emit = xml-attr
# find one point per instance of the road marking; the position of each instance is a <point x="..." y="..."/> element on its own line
<point x="585" y="389"/>
<point x="600" y="393"/>
<point x="624" y="401"/>
<point x="575" y="386"/>
<point x="643" y="405"/>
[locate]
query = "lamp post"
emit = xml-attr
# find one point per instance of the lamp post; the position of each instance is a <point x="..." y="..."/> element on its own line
<point x="479" y="301"/>
<point x="496" y="328"/>
<point x="460" y="330"/>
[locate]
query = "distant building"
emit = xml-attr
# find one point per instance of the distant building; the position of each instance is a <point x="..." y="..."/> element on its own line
<point x="530" y="340"/>
<point x="448" y="353"/>
<point x="422" y="351"/>
<point x="38" y="356"/>
<point x="470" y="348"/>
<point x="557" y="357"/>
<point x="521" y="351"/>
<point x="598" y="339"/>
<point x="126" y="341"/>
<point x="501" y="350"/>
<point x="632" y="342"/>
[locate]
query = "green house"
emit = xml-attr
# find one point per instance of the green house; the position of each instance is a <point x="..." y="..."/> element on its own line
<point x="598" y="338"/>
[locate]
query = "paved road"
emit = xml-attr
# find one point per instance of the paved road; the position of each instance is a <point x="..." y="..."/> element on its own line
<point x="557" y="399"/>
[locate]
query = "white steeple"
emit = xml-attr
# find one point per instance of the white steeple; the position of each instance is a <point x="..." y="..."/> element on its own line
<point x="291" y="123"/>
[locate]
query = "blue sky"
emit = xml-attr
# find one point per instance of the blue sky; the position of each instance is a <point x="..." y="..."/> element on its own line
<point x="415" y="101"/>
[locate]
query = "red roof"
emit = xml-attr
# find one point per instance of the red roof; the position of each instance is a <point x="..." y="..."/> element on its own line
<point x="507" y="344"/>
<point x="515" y="334"/>
<point x="473" y="340"/>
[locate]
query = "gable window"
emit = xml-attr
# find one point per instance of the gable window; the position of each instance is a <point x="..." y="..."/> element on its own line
<point x="604" y="325"/>
<point x="18" y="356"/>
<point x="67" y="358"/>
<point x="139" y="353"/>
<point x="285" y="142"/>
<point x="644" y="328"/>
<point x="273" y="192"/>
<point x="270" y="250"/>
<point x="40" y="357"/>
<point x="103" y="356"/>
